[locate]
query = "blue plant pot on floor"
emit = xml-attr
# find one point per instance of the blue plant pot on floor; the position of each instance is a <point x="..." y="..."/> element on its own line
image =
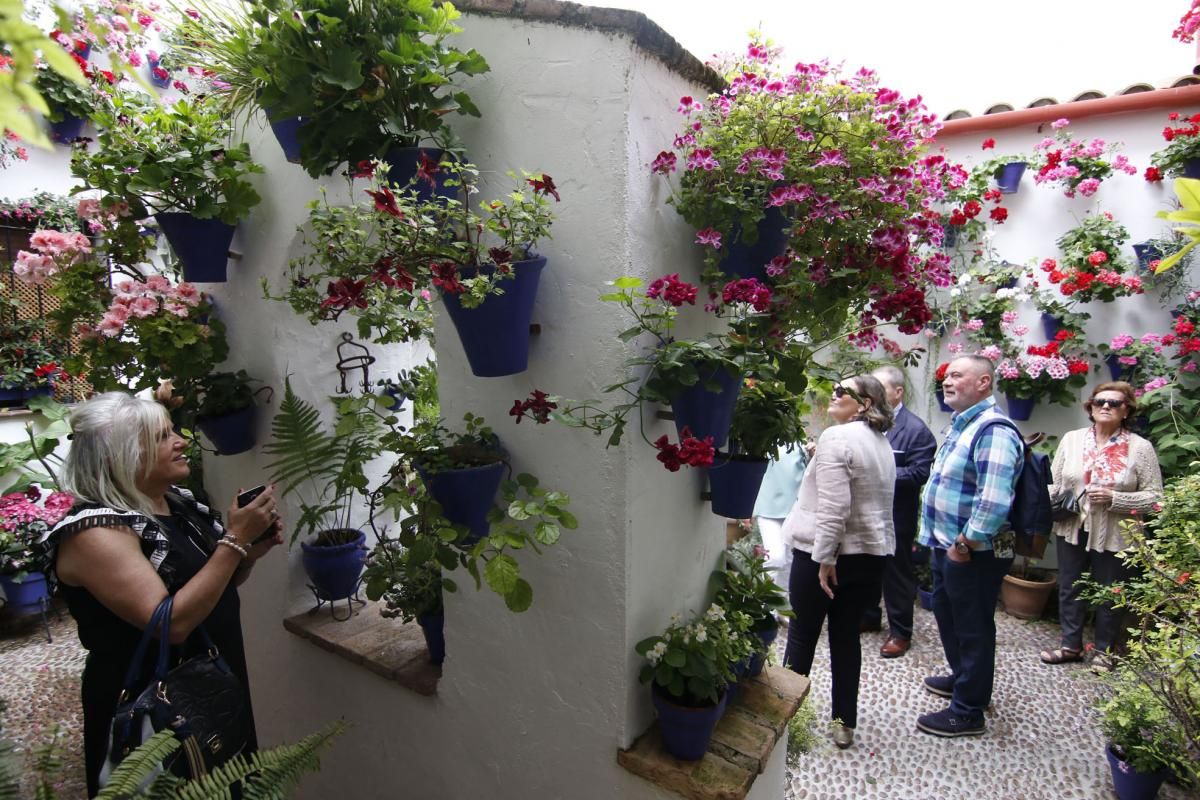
<point x="744" y="260"/>
<point x="466" y="496"/>
<point x="707" y="413"/>
<point x="495" y="334"/>
<point x="202" y="245"/>
<point x="1133" y="785"/>
<point x="733" y="483"/>
<point x="230" y="433"/>
<point x="925" y="598"/>
<point x="759" y="660"/>
<point x="25" y="596"/>
<point x="335" y="571"/>
<point x="434" y="628"/>
<point x="686" y="731"/>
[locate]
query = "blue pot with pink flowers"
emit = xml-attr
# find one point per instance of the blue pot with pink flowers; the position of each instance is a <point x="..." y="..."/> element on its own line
<point x="745" y="259"/>
<point x="1008" y="177"/>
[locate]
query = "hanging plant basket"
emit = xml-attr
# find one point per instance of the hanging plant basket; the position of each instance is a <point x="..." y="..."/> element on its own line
<point x="466" y="495"/>
<point x="67" y="129"/>
<point x="686" y="731"/>
<point x="707" y="413"/>
<point x="334" y="569"/>
<point x="202" y="245"/>
<point x="403" y="163"/>
<point x="231" y="433"/>
<point x="495" y="334"/>
<point x="1008" y="177"/>
<point x="750" y="260"/>
<point x="28" y="595"/>
<point x="733" y="482"/>
<point x="1019" y="408"/>
<point x="1147" y="252"/>
<point x="287" y="133"/>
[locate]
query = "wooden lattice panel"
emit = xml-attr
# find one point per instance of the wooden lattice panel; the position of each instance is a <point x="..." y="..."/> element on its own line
<point x="35" y="303"/>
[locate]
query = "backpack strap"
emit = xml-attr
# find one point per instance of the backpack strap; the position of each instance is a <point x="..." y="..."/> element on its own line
<point x="1003" y="422"/>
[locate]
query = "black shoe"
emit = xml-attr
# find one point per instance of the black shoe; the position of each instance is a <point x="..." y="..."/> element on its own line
<point x="941" y="685"/>
<point x="870" y="626"/>
<point x="945" y="723"/>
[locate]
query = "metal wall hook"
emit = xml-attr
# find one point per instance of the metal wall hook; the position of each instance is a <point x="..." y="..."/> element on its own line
<point x="348" y="362"/>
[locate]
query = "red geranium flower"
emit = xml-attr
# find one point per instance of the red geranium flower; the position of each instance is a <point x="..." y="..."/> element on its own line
<point x="544" y="186"/>
<point x="999" y="214"/>
<point x="988" y="143"/>
<point x="385" y="201"/>
<point x="1153" y="175"/>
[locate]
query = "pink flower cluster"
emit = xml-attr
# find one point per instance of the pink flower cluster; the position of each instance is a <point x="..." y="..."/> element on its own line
<point x="747" y="290"/>
<point x="55" y="250"/>
<point x="99" y="217"/>
<point x="141" y="300"/>
<point x="1078" y="165"/>
<point x="672" y="290"/>
<point x="24" y="519"/>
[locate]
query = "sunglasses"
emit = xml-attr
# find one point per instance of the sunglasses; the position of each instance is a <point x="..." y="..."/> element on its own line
<point x="1103" y="402"/>
<point x="840" y="391"/>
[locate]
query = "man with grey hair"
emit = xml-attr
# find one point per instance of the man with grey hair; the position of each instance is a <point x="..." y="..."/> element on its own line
<point x="964" y="519"/>
<point x="913" y="446"/>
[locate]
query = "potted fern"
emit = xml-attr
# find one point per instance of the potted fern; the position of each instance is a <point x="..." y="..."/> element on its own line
<point x="331" y="468"/>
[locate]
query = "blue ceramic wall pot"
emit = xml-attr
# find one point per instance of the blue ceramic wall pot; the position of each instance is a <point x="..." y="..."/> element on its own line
<point x="230" y="433"/>
<point x="162" y="82"/>
<point x="744" y="260"/>
<point x="1008" y="177"/>
<point x="1115" y="367"/>
<point x="19" y="397"/>
<point x="67" y="129"/>
<point x="1019" y="408"/>
<point x="1051" y="325"/>
<point x="434" y="628"/>
<point x="202" y="245"/>
<point x="707" y="413"/>
<point x="686" y="731"/>
<point x="495" y="334"/>
<point x="466" y="495"/>
<point x="403" y="164"/>
<point x="27" y="595"/>
<point x="941" y="401"/>
<point x="733" y="482"/>
<point x="287" y="133"/>
<point x="1146" y="253"/>
<point x="1191" y="168"/>
<point x="335" y="569"/>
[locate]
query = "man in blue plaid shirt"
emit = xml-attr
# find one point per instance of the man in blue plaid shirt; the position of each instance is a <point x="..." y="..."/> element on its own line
<point x="964" y="520"/>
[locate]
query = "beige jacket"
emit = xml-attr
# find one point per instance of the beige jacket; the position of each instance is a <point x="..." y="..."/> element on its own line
<point x="1139" y="491"/>
<point x="844" y="504"/>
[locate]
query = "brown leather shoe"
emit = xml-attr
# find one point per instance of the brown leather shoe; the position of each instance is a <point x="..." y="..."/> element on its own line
<point x="895" y="647"/>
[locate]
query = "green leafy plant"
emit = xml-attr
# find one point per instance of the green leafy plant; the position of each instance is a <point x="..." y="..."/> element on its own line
<point x="65" y="96"/>
<point x="745" y="585"/>
<point x="32" y="460"/>
<point x="23" y="43"/>
<point x="1172" y="414"/>
<point x="1152" y="711"/>
<point x="767" y="416"/>
<point x="1183" y="145"/>
<point x="1187" y="190"/>
<point x="326" y="467"/>
<point x="365" y="76"/>
<point x="693" y="663"/>
<point x="802" y="732"/>
<point x="180" y="157"/>
<point x="224" y="393"/>
<point x="43" y="210"/>
<point x="29" y="358"/>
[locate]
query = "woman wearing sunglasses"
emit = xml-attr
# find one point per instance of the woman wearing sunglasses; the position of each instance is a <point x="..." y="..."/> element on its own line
<point x="841" y="532"/>
<point x="1114" y="474"/>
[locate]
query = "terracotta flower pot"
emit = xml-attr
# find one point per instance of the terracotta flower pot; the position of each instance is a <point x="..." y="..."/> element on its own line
<point x="1025" y="599"/>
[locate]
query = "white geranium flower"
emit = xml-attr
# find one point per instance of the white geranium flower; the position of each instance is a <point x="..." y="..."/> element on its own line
<point x="701" y="635"/>
<point x="715" y="612"/>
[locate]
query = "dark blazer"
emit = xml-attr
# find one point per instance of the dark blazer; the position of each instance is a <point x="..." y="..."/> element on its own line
<point x="913" y="445"/>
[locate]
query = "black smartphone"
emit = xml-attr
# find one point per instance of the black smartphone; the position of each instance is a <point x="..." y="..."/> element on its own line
<point x="246" y="498"/>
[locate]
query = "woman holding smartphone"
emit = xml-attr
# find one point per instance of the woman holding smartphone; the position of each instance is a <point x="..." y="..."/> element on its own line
<point x="134" y="537"/>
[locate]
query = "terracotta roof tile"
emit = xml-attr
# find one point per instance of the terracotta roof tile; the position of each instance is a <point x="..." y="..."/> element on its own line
<point x="1091" y="94"/>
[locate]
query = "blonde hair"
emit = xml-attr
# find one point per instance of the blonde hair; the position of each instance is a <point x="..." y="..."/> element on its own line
<point x="114" y="437"/>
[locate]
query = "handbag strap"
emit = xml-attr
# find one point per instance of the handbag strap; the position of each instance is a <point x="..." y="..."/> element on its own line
<point x="156" y="624"/>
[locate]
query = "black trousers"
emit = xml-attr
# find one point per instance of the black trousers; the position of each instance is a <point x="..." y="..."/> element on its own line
<point x="1106" y="568"/>
<point x="859" y="578"/>
<point x="899" y="590"/>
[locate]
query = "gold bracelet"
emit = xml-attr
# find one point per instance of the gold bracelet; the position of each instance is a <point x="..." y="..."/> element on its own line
<point x="229" y="540"/>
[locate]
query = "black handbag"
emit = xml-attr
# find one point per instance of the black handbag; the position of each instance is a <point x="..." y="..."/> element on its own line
<point x="201" y="699"/>
<point x="1065" y="506"/>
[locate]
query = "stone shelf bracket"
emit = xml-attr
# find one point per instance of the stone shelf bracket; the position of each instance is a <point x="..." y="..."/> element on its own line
<point x="741" y="745"/>
<point x="387" y="647"/>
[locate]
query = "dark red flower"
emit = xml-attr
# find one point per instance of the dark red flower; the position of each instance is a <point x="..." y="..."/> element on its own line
<point x="385" y="201"/>
<point x="1153" y="174"/>
<point x="427" y="169"/>
<point x="445" y="277"/>
<point x="544" y="186"/>
<point x="668" y="454"/>
<point x="988" y="143"/>
<point x="363" y="169"/>
<point x="972" y="208"/>
<point x="160" y="73"/>
<point x="672" y="290"/>
<point x="180" y="86"/>
<point x="999" y="214"/>
<point x="390" y="273"/>
<point x="958" y="218"/>
<point x="500" y="256"/>
<point x="537" y="407"/>
<point x="344" y="293"/>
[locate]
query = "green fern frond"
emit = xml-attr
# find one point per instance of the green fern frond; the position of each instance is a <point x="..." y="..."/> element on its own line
<point x="280" y="768"/>
<point x="127" y="778"/>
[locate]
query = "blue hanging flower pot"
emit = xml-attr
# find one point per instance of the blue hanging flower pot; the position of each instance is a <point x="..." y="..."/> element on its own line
<point x="230" y="433"/>
<point x="743" y="260"/>
<point x="404" y="167"/>
<point x="1008" y="177"/>
<point x="495" y="334"/>
<point x="67" y="129"/>
<point x="466" y="495"/>
<point x="707" y="413"/>
<point x="733" y="483"/>
<point x="1020" y="408"/>
<point x="202" y="245"/>
<point x="1051" y="325"/>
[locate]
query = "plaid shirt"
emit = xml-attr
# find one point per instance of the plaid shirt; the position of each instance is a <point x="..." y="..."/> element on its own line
<point x="965" y="496"/>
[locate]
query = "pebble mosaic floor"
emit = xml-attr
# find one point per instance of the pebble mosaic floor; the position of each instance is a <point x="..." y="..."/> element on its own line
<point x="1041" y="743"/>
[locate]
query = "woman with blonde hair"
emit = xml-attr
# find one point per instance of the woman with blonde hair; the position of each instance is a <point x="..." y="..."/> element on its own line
<point x="133" y="538"/>
<point x="842" y="532"/>
<point x="1112" y="474"/>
